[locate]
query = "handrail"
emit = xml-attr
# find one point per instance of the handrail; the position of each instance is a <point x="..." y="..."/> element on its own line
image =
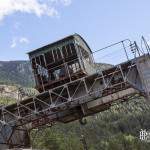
<point x="112" y="45"/>
<point x="145" y="43"/>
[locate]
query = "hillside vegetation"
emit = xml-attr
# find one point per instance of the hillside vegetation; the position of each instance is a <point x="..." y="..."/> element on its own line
<point x="114" y="129"/>
<point x="16" y="72"/>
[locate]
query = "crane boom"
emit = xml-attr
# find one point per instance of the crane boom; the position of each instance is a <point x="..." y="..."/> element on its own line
<point x="74" y="100"/>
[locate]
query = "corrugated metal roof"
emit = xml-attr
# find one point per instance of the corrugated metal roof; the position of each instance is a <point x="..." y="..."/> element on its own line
<point x="58" y="42"/>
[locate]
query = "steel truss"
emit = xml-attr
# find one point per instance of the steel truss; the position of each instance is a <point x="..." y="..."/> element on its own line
<point x="70" y="101"/>
<point x="63" y="97"/>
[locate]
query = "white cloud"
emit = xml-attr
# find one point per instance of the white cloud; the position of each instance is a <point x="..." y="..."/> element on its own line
<point x="24" y="40"/>
<point x="36" y="7"/>
<point x="64" y="2"/>
<point x="20" y="40"/>
<point x="16" y="25"/>
<point x="14" y="43"/>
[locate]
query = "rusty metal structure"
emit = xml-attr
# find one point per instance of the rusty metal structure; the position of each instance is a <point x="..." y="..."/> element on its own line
<point x="72" y="86"/>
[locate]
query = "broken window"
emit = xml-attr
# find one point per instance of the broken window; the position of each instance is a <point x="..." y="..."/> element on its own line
<point x="42" y="71"/>
<point x="42" y="61"/>
<point x="74" y="67"/>
<point x="85" y="54"/>
<point x="56" y="74"/>
<point x="64" y="51"/>
<point x="49" y="57"/>
<point x="72" y="46"/>
<point x="68" y="50"/>
<point x="57" y="54"/>
<point x="33" y="61"/>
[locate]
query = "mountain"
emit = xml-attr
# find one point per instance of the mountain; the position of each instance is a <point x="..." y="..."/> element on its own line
<point x="16" y="72"/>
<point x="20" y="72"/>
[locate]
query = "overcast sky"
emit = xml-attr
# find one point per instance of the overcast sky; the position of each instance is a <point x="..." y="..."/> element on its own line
<point x="29" y="24"/>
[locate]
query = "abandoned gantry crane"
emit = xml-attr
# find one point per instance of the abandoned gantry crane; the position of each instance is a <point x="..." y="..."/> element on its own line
<point x="73" y="86"/>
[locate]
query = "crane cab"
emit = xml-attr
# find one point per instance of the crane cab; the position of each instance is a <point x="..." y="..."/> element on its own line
<point x="60" y="62"/>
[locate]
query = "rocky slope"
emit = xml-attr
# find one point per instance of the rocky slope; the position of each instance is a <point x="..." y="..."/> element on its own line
<point x="16" y="72"/>
<point x="20" y="72"/>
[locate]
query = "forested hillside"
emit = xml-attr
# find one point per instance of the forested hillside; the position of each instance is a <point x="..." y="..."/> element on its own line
<point x="16" y="72"/>
<point x="114" y="129"/>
